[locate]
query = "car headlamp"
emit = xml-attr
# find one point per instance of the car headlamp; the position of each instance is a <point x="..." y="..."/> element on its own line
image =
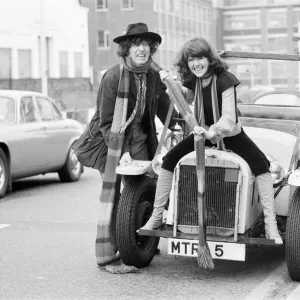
<point x="171" y="140"/>
<point x="157" y="162"/>
<point x="276" y="170"/>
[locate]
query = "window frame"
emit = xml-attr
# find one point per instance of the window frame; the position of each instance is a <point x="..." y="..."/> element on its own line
<point x="104" y="8"/>
<point x="28" y="74"/>
<point x="9" y="64"/>
<point x="130" y="7"/>
<point x="240" y="16"/>
<point x="67" y="64"/>
<point x="78" y="72"/>
<point x="105" y="39"/>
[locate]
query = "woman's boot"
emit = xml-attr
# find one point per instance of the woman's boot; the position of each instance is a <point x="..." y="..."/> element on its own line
<point x="266" y="193"/>
<point x="163" y="189"/>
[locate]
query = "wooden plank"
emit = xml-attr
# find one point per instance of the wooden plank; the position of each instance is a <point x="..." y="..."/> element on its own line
<point x="259" y="55"/>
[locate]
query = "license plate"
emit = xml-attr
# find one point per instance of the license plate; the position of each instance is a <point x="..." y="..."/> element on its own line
<point x="218" y="250"/>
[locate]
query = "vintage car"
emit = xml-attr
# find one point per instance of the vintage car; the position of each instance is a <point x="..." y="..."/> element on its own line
<point x="234" y="212"/>
<point x="35" y="139"/>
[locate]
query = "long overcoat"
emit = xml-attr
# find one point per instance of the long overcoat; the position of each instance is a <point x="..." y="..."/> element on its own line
<point x="157" y="103"/>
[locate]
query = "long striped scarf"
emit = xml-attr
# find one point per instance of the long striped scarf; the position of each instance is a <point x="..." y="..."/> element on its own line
<point x="199" y="106"/>
<point x="106" y="247"/>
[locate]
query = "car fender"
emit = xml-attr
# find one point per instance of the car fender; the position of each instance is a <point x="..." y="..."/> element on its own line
<point x="276" y="144"/>
<point x="279" y="146"/>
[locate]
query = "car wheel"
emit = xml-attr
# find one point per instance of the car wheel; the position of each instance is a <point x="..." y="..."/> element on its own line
<point x="72" y="169"/>
<point x="292" y="242"/>
<point x="4" y="173"/>
<point x="134" y="209"/>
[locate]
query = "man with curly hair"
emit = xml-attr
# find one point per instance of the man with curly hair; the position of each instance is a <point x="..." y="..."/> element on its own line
<point x="131" y="94"/>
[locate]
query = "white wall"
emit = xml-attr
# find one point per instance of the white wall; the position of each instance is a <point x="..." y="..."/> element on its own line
<point x="65" y="23"/>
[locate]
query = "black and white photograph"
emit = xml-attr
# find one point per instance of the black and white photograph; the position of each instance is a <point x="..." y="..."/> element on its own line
<point x="149" y="149"/>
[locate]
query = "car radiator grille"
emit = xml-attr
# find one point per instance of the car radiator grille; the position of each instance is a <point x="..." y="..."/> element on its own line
<point x="220" y="196"/>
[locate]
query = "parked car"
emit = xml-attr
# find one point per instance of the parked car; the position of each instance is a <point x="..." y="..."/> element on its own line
<point x="234" y="213"/>
<point x="35" y="138"/>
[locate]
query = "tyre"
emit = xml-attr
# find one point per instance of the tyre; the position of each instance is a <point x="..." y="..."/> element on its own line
<point x="72" y="169"/>
<point x="292" y="242"/>
<point x="4" y="173"/>
<point x="134" y="209"/>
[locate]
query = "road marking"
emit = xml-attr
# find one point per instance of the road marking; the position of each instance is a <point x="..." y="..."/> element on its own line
<point x="4" y="225"/>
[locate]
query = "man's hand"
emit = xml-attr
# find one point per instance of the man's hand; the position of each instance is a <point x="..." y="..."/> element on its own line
<point x="198" y="130"/>
<point x="125" y="159"/>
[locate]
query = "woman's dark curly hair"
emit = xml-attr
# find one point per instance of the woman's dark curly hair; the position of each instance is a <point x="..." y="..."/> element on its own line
<point x="125" y="45"/>
<point x="198" y="47"/>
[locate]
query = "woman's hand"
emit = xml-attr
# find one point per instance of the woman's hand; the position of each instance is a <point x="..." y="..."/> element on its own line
<point x="165" y="73"/>
<point x="198" y="130"/>
<point x="125" y="159"/>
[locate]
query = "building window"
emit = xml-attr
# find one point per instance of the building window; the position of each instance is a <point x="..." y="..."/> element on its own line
<point x="103" y="39"/>
<point x="63" y="63"/>
<point x="278" y="72"/>
<point x="127" y="4"/>
<point x="296" y="19"/>
<point x="239" y="2"/>
<point x="101" y="4"/>
<point x="277" y="44"/>
<point x="170" y="5"/>
<point x="155" y="5"/>
<point x="78" y="64"/>
<point x="24" y="57"/>
<point x="242" y="21"/>
<point x="277" y="20"/>
<point x="245" y="45"/>
<point x="5" y="63"/>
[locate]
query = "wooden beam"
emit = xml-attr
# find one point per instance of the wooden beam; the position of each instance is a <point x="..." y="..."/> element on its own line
<point x="258" y="55"/>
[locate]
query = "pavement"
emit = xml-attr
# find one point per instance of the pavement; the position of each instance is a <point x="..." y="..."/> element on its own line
<point x="295" y="295"/>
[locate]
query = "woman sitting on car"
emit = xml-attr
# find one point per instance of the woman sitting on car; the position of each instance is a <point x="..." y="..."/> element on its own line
<point x="203" y="72"/>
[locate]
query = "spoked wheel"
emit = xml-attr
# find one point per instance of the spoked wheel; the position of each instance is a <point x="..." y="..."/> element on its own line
<point x="134" y="210"/>
<point x="292" y="242"/>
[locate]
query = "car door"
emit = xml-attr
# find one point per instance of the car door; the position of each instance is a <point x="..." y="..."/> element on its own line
<point x="27" y="148"/>
<point x="58" y="133"/>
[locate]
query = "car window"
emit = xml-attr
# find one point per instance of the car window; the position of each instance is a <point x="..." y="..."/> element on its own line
<point x="48" y="111"/>
<point x="28" y="111"/>
<point x="7" y="110"/>
<point x="279" y="99"/>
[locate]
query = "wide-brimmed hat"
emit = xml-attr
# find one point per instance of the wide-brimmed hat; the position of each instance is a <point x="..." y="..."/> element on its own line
<point x="138" y="30"/>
